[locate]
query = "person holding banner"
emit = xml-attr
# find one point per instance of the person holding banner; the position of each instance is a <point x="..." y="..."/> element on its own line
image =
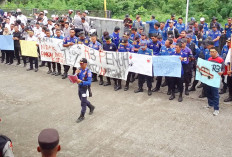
<point x="97" y="46"/>
<point x="172" y="81"/>
<point x="83" y="39"/>
<point x="31" y="37"/>
<point x="58" y="36"/>
<point x="164" y="51"/>
<point x="125" y="47"/>
<point x="9" y="53"/>
<point x="84" y="77"/>
<point x="141" y="78"/>
<point x="228" y="61"/>
<point x="186" y="55"/>
<point x="212" y="92"/>
<point x="109" y="46"/>
<point x="69" y="41"/>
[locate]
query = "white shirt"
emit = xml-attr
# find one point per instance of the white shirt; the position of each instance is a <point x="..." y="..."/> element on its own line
<point x="23" y="19"/>
<point x="45" y="20"/>
<point x="86" y="27"/>
<point x="228" y="56"/>
<point x="77" y="22"/>
<point x="37" y="31"/>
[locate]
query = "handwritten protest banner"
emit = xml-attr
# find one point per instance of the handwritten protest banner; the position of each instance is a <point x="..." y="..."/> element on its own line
<point x="207" y="72"/>
<point x="6" y="42"/>
<point x="28" y="48"/>
<point x="106" y="63"/>
<point x="166" y="66"/>
<point x="52" y="50"/>
<point x="141" y="64"/>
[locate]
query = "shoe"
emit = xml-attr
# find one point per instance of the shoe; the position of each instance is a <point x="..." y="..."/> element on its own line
<point x="29" y="69"/>
<point x="208" y="107"/>
<point x="164" y="84"/>
<point x="24" y="65"/>
<point x="18" y="64"/>
<point x="81" y="118"/>
<point x="2" y="61"/>
<point x="200" y="86"/>
<point x="91" y="110"/>
<point x="126" y="88"/>
<point x="65" y="76"/>
<point x="149" y="92"/>
<point x="172" y="96"/>
<point x="192" y="89"/>
<point x="49" y="72"/>
<point x="139" y="90"/>
<point x="10" y="63"/>
<point x="101" y="82"/>
<point x="36" y="70"/>
<point x="41" y="65"/>
<point x="222" y="91"/>
<point x="180" y="99"/>
<point x="228" y="99"/>
<point x="6" y="63"/>
<point x="107" y="84"/>
<point x="155" y="89"/>
<point x="169" y="93"/>
<point x="117" y="88"/>
<point x="216" y="112"/>
<point x="53" y="73"/>
<point x="202" y="96"/>
<point x="58" y="73"/>
<point x="186" y="92"/>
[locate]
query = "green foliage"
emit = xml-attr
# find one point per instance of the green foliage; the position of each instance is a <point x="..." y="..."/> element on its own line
<point x="160" y="8"/>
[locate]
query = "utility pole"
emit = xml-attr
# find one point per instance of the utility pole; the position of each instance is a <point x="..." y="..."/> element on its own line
<point x="105" y="9"/>
<point x="186" y="17"/>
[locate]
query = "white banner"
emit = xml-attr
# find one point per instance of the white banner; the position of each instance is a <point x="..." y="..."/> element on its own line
<point x="141" y="64"/>
<point x="51" y="50"/>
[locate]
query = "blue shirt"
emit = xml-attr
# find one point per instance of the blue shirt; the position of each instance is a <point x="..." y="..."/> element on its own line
<point x="109" y="47"/>
<point x="196" y="49"/>
<point x="166" y="51"/>
<point x="96" y="45"/>
<point x="69" y="39"/>
<point x="207" y="54"/>
<point x="155" y="47"/>
<point x="151" y="25"/>
<point x="115" y="38"/>
<point x="85" y="76"/>
<point x="180" y="27"/>
<point x="83" y="41"/>
<point x="146" y="52"/>
<point x="186" y="53"/>
<point x="195" y="40"/>
<point x="60" y="37"/>
<point x="157" y="31"/>
<point x="214" y="35"/>
<point x="123" y="48"/>
<point x="205" y="27"/>
<point x="228" y="29"/>
<point x="224" y="51"/>
<point x="136" y="45"/>
<point x="164" y="34"/>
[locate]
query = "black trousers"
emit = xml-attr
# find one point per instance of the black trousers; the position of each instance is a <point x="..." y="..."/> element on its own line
<point x="17" y="52"/>
<point x="3" y="55"/>
<point x="35" y="60"/>
<point x="9" y="56"/>
<point x="229" y="83"/>
<point x="159" y="81"/>
<point x="53" y="66"/>
<point x="58" y="67"/>
<point x="173" y="81"/>
<point x="67" y="67"/>
<point x="141" y="81"/>
<point x="130" y="74"/>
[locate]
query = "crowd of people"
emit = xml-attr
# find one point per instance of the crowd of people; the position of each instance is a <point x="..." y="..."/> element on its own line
<point x="190" y="42"/>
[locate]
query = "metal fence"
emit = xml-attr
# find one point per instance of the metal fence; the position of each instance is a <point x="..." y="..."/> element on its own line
<point x="30" y="12"/>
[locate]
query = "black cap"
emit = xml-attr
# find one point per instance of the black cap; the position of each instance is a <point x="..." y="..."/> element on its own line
<point x="124" y="40"/>
<point x="154" y="35"/>
<point x="83" y="60"/>
<point x="210" y="42"/>
<point x="48" y="139"/>
<point x="173" y="15"/>
<point x="134" y="29"/>
<point x="214" y="18"/>
<point x="137" y="37"/>
<point x="127" y="15"/>
<point x="116" y="28"/>
<point x="213" y="26"/>
<point x="143" y="34"/>
<point x="107" y="38"/>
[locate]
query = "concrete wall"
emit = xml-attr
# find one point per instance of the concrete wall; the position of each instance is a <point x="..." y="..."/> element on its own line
<point x="106" y="24"/>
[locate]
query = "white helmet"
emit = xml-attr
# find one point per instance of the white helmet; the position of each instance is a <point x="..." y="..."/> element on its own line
<point x="45" y="11"/>
<point x="18" y="10"/>
<point x="202" y="19"/>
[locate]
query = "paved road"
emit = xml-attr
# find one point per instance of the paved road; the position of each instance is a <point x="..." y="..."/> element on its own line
<point x="124" y="124"/>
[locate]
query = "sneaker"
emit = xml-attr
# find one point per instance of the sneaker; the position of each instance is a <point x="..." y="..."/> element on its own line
<point x="208" y="107"/>
<point x="216" y="112"/>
